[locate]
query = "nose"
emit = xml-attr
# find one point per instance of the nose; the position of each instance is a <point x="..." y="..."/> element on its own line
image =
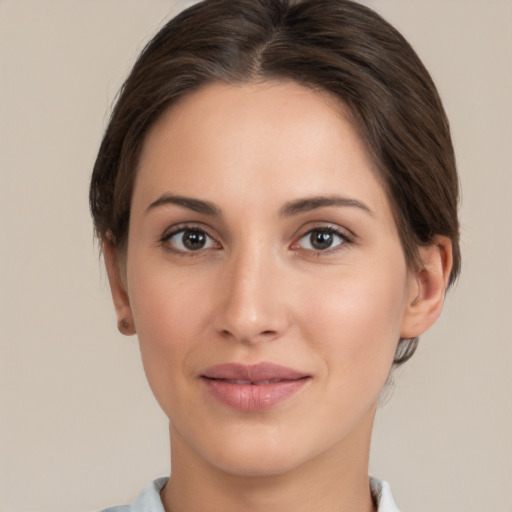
<point x="252" y="299"/>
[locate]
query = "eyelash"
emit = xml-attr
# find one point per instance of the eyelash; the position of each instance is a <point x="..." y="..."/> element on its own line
<point x="164" y="241"/>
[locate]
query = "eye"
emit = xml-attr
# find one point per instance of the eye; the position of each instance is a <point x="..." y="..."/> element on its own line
<point x="321" y="239"/>
<point x="189" y="239"/>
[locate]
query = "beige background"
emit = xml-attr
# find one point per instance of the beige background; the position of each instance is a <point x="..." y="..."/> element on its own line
<point x="79" y="429"/>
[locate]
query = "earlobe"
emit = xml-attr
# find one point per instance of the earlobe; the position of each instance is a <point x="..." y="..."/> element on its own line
<point x="428" y="287"/>
<point x="120" y="297"/>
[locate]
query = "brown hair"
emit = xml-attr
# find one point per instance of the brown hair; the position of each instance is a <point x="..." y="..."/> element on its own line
<point x="338" y="46"/>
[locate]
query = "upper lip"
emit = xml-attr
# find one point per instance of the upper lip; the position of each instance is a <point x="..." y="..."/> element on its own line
<point x="252" y="372"/>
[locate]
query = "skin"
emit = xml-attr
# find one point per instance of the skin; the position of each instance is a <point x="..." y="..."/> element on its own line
<point x="259" y="291"/>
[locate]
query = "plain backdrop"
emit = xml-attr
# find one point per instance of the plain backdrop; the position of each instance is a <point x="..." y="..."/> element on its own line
<point x="79" y="428"/>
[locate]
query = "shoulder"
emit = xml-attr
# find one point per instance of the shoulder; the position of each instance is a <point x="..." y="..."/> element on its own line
<point x="381" y="493"/>
<point x="148" y="499"/>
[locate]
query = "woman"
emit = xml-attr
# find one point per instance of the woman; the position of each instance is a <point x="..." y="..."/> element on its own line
<point x="276" y="196"/>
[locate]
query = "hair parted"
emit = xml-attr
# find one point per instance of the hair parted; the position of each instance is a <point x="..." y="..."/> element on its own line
<point x="337" y="46"/>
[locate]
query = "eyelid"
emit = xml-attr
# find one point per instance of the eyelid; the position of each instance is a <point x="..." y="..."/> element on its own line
<point x="177" y="228"/>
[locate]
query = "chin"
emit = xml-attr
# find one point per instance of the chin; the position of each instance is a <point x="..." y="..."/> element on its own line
<point x="251" y="453"/>
<point x="256" y="465"/>
<point x="253" y="446"/>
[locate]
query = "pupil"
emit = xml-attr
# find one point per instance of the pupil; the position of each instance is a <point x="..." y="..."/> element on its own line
<point x="194" y="240"/>
<point x="321" y="240"/>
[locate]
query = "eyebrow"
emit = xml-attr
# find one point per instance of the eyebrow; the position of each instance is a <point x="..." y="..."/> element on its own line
<point x="196" y="205"/>
<point x="313" y="203"/>
<point x="289" y="209"/>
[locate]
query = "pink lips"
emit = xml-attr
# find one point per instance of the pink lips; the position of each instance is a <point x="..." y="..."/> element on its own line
<point x="252" y="387"/>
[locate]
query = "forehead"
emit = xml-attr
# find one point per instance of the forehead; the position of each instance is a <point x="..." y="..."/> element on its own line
<point x="260" y="140"/>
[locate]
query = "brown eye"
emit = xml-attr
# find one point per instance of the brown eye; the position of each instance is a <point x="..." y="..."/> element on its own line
<point x="190" y="240"/>
<point x="194" y="240"/>
<point x="321" y="240"/>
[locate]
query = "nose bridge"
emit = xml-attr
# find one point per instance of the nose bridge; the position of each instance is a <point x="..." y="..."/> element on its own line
<point x="252" y="307"/>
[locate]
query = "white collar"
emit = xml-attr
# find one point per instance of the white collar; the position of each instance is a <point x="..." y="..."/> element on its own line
<point x="149" y="500"/>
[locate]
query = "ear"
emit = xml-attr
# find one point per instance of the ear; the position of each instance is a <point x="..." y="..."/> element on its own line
<point x="428" y="287"/>
<point x="125" y="322"/>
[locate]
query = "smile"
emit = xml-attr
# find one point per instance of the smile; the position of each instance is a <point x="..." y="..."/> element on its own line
<point x="252" y="387"/>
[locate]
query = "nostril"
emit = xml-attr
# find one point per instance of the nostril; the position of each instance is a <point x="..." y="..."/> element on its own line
<point x="263" y="335"/>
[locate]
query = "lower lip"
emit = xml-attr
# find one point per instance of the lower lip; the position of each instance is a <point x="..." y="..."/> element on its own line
<point x="253" y="397"/>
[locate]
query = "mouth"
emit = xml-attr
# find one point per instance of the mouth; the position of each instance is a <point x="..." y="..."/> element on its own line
<point x="253" y="387"/>
<point x="241" y="382"/>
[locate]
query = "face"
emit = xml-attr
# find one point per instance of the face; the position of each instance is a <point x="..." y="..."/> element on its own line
<point x="265" y="278"/>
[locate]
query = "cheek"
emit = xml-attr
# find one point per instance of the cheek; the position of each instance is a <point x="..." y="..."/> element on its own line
<point x="355" y="321"/>
<point x="169" y="319"/>
<point x="167" y="304"/>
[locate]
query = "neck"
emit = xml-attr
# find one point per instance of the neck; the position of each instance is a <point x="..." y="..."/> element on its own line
<point x="332" y="481"/>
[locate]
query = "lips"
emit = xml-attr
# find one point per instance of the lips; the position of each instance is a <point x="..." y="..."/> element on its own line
<point x="253" y="387"/>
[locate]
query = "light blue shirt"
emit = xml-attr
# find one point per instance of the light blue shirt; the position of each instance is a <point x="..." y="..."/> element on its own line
<point x="149" y="498"/>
